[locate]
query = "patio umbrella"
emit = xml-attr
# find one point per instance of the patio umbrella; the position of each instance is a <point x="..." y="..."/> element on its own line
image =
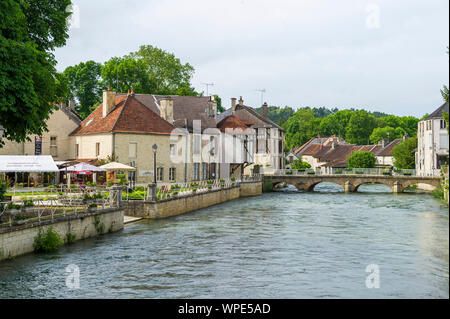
<point x="114" y="166"/>
<point x="83" y="167"/>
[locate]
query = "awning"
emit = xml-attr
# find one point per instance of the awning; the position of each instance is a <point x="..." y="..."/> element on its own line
<point x="82" y="167"/>
<point x="27" y="164"/>
<point x="114" y="166"/>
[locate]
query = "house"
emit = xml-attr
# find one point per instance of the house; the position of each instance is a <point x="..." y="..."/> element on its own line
<point x="384" y="157"/>
<point x="55" y="142"/>
<point x="125" y="127"/>
<point x="432" y="138"/>
<point x="268" y="146"/>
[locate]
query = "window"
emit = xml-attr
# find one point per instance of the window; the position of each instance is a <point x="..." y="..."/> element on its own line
<point x="97" y="149"/>
<point x="172" y="150"/>
<point x="443" y="124"/>
<point x="197" y="140"/>
<point x="160" y="174"/>
<point x="196" y="176"/>
<point x="132" y="150"/>
<point x="212" y="141"/>
<point x="53" y="146"/>
<point x="172" y="174"/>
<point x="77" y="150"/>
<point x="443" y="141"/>
<point x="204" y="171"/>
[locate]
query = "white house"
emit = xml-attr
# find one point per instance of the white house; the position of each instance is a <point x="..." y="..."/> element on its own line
<point x="432" y="150"/>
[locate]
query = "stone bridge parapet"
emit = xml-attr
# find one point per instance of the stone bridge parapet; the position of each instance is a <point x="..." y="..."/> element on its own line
<point x="351" y="183"/>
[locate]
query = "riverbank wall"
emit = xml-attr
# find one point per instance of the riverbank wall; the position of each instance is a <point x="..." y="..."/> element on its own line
<point x="184" y="204"/>
<point x="18" y="240"/>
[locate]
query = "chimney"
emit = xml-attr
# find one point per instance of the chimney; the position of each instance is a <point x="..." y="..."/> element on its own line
<point x="71" y="105"/>
<point x="405" y="136"/>
<point x="265" y="110"/>
<point x="132" y="91"/>
<point x="109" y="101"/>
<point x="241" y="101"/>
<point x="212" y="107"/>
<point x="233" y="104"/>
<point x="166" y="107"/>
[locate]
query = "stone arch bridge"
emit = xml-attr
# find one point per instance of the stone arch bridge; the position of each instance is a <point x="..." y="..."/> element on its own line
<point x="351" y="183"/>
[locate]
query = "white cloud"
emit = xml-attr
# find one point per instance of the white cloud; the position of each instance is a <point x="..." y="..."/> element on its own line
<point x="317" y="53"/>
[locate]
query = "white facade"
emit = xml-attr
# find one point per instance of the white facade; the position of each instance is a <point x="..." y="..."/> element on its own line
<point x="433" y="145"/>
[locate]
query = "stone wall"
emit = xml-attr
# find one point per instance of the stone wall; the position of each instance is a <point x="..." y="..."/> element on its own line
<point x="251" y="189"/>
<point x="181" y="205"/>
<point x="18" y="240"/>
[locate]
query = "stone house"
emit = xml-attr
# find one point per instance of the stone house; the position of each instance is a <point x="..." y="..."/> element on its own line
<point x="125" y="127"/>
<point x="433" y="144"/>
<point x="55" y="142"/>
<point x="268" y="151"/>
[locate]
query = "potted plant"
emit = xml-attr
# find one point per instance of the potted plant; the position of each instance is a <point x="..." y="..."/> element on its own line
<point x="222" y="182"/>
<point x="13" y="209"/>
<point x="92" y="207"/>
<point x="28" y="205"/>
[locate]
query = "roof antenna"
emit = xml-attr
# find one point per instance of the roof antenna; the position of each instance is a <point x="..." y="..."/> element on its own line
<point x="262" y="95"/>
<point x="207" y="87"/>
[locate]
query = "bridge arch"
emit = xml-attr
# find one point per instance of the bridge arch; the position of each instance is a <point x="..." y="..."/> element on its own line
<point x="388" y="185"/>
<point x="312" y="186"/>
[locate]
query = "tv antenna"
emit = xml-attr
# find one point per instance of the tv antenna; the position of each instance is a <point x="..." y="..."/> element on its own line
<point x="262" y="95"/>
<point x="207" y="87"/>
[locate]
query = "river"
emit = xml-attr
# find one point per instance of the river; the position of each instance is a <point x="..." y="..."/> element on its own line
<point x="286" y="244"/>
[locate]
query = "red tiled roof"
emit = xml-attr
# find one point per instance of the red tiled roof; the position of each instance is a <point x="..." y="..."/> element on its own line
<point x="388" y="150"/>
<point x="128" y="116"/>
<point x="231" y="122"/>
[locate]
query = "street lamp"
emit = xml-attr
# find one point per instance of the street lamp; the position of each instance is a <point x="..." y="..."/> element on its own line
<point x="155" y="149"/>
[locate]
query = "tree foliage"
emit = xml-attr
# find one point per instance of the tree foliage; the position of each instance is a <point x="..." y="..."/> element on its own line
<point x="29" y="84"/>
<point x="360" y="127"/>
<point x="404" y="155"/>
<point x="298" y="164"/>
<point x="386" y="133"/>
<point x="83" y="81"/>
<point x="363" y="159"/>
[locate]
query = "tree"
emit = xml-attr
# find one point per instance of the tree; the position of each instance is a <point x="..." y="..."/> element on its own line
<point x="386" y="133"/>
<point x="404" y="155"/>
<point x="84" y="86"/>
<point x="29" y="32"/>
<point x="220" y="108"/>
<point x="301" y="127"/>
<point x="360" y="127"/>
<point x="363" y="159"/>
<point x="335" y="124"/>
<point x="298" y="164"/>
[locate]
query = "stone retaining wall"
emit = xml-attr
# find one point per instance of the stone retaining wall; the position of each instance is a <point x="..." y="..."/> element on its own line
<point x="18" y="240"/>
<point x="181" y="205"/>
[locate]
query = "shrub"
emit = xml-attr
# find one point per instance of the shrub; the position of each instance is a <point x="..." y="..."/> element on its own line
<point x="51" y="187"/>
<point x="289" y="173"/>
<point x="28" y="203"/>
<point x="194" y="184"/>
<point x="109" y="184"/>
<point x="339" y="171"/>
<point x="70" y="238"/>
<point x="364" y="159"/>
<point x="209" y="182"/>
<point x="222" y="181"/>
<point x="47" y="241"/>
<point x="89" y="184"/>
<point x="233" y="179"/>
<point x="311" y="173"/>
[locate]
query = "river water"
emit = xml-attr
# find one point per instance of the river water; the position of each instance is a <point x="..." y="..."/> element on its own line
<point x="287" y="244"/>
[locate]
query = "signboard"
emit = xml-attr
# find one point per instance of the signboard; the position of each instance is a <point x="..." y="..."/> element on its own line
<point x="38" y="145"/>
<point x="145" y="173"/>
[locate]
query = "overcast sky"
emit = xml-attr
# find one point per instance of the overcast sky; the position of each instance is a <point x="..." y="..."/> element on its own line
<point x="382" y="55"/>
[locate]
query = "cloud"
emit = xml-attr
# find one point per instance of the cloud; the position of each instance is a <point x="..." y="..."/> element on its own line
<point x="316" y="53"/>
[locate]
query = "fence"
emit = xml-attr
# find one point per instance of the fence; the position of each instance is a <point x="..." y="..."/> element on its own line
<point x="347" y="171"/>
<point x="182" y="189"/>
<point x="48" y="206"/>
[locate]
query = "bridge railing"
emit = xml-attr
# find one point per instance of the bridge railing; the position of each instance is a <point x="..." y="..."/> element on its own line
<point x="346" y="171"/>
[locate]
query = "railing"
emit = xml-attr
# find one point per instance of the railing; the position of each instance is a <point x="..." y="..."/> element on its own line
<point x="175" y="190"/>
<point x="328" y="171"/>
<point x="39" y="208"/>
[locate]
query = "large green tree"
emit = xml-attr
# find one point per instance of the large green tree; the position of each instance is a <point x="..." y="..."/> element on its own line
<point x="363" y="159"/>
<point x="84" y="86"/>
<point x="404" y="155"/>
<point x="386" y="133"/>
<point x="29" y="33"/>
<point x="360" y="127"/>
<point x="301" y="127"/>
